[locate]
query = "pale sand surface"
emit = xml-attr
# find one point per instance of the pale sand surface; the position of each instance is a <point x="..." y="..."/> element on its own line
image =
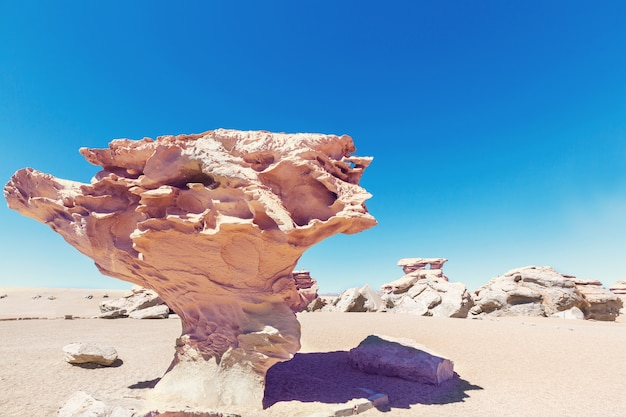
<point x="506" y="367"/>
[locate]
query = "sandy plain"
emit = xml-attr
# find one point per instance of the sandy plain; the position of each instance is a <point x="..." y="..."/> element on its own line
<point x="506" y="367"/>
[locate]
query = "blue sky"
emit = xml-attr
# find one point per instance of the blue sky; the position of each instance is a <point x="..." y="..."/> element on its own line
<point x="498" y="128"/>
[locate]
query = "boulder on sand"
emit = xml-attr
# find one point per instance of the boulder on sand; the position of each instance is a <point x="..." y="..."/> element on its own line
<point x="402" y="358"/>
<point x="83" y="353"/>
<point x="155" y="312"/>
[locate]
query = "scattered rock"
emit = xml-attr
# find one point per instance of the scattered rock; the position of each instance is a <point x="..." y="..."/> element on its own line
<point x="89" y="297"/>
<point x="36" y="297"/>
<point x="402" y="358"/>
<point x="81" y="353"/>
<point x="81" y="404"/>
<point x="155" y="312"/>
<point x="3" y="296"/>
<point x="52" y="297"/>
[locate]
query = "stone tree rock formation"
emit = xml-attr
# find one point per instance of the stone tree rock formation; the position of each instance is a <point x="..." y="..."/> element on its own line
<point x="215" y="224"/>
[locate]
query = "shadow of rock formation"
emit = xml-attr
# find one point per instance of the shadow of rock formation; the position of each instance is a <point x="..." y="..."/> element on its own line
<point x="145" y="384"/>
<point x="91" y="365"/>
<point x="329" y="378"/>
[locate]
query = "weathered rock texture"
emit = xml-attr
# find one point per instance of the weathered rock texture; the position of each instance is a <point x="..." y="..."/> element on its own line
<point x="215" y="224"/>
<point x="358" y="300"/>
<point x="81" y="404"/>
<point x="620" y="290"/>
<point x="307" y="289"/>
<point x="409" y="265"/>
<point x="426" y="292"/>
<point x="402" y="358"/>
<point x="542" y="291"/>
<point x="81" y="353"/>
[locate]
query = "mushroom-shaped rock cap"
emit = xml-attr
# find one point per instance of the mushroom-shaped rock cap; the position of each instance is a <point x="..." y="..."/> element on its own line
<point x="409" y="265"/>
<point x="215" y="224"/>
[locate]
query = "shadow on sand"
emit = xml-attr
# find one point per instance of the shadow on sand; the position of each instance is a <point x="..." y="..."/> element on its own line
<point x="329" y="378"/>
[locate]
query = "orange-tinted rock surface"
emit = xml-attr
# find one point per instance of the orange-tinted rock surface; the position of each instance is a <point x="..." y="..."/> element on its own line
<point x="215" y="224"/>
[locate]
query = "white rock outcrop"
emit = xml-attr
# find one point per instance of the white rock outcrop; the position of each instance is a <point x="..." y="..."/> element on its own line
<point x="214" y="223"/>
<point x="426" y="292"/>
<point x="358" y="300"/>
<point x="160" y="311"/>
<point x="137" y="299"/>
<point x="542" y="291"/>
<point x="402" y="358"/>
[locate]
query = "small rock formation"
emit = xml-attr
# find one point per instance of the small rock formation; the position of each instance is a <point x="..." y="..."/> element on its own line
<point x="604" y="305"/>
<point x="426" y="292"/>
<point x="358" y="300"/>
<point x="81" y="404"/>
<point x="214" y="223"/>
<point x="620" y="290"/>
<point x="542" y="291"/>
<point x="81" y="353"/>
<point x="307" y="289"/>
<point x="137" y="299"/>
<point x="409" y="265"/>
<point x="402" y="358"/>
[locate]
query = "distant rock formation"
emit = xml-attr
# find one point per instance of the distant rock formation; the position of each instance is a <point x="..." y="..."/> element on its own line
<point x="542" y="291"/>
<point x="214" y="223"/>
<point x="307" y="290"/>
<point x="135" y="301"/>
<point x="358" y="300"/>
<point x="409" y="265"/>
<point x="426" y="292"/>
<point x="620" y="290"/>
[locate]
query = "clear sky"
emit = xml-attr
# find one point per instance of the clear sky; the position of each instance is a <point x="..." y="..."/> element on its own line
<point x="498" y="128"/>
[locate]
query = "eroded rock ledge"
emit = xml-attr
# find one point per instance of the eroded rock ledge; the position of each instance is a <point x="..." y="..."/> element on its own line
<point x="214" y="223"/>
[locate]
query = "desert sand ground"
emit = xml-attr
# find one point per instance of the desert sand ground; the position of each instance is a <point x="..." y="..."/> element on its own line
<point x="506" y="367"/>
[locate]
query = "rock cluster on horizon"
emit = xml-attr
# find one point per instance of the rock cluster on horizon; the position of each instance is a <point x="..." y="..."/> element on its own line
<point x="214" y="223"/>
<point x="529" y="291"/>
<point x="542" y="291"/>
